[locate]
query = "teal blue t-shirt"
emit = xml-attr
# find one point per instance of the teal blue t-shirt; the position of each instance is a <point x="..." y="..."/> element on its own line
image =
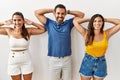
<point x="59" y="37"/>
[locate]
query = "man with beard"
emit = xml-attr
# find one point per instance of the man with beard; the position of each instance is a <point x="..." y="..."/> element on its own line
<point x="59" y="40"/>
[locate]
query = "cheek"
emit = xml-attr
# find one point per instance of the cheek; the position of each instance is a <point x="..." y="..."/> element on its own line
<point x="13" y="22"/>
<point x="94" y="24"/>
<point x="21" y="22"/>
<point x="55" y="15"/>
<point x="63" y="15"/>
<point x="101" y="24"/>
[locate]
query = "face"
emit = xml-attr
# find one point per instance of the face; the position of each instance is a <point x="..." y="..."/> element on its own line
<point x="97" y="24"/>
<point x="60" y="15"/>
<point x="18" y="21"/>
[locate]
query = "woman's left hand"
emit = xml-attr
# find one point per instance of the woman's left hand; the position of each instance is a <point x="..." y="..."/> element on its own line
<point x="8" y="22"/>
<point x="28" y="22"/>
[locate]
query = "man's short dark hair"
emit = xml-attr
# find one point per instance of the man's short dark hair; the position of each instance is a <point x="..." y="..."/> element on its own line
<point x="59" y="6"/>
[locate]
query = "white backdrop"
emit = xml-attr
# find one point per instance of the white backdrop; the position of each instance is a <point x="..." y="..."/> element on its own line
<point x="38" y="44"/>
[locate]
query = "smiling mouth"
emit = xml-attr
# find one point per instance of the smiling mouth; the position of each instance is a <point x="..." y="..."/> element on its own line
<point x="17" y="25"/>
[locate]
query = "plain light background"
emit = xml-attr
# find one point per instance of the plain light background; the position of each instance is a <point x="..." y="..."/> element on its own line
<point x="38" y="44"/>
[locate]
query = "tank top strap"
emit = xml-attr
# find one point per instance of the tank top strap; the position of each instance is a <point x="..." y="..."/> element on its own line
<point x="104" y="33"/>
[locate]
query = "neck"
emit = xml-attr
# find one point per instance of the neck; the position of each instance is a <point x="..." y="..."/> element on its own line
<point x="18" y="30"/>
<point x="97" y="32"/>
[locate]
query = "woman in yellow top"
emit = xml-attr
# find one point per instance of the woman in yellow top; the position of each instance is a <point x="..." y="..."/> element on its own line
<point x="94" y="66"/>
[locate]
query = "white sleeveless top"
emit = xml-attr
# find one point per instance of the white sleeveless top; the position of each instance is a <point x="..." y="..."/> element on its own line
<point x="18" y="43"/>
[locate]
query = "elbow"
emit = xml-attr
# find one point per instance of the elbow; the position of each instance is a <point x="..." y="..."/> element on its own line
<point x="36" y="13"/>
<point x="43" y="30"/>
<point x="118" y="21"/>
<point x="75" y="21"/>
<point x="82" y="15"/>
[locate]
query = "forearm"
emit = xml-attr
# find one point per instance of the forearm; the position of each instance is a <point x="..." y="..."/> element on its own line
<point x="38" y="26"/>
<point x="81" y="20"/>
<point x="76" y="13"/>
<point x="43" y="11"/>
<point x="1" y="23"/>
<point x="112" y="20"/>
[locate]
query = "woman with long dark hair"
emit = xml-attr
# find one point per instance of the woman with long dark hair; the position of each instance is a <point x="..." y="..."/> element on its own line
<point x="19" y="62"/>
<point x="94" y="65"/>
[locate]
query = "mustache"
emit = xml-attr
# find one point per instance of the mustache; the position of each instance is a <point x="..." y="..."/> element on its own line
<point x="59" y="17"/>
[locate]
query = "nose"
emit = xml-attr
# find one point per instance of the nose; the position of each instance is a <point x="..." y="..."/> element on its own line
<point x="16" y="22"/>
<point x="60" y="15"/>
<point x="97" y="22"/>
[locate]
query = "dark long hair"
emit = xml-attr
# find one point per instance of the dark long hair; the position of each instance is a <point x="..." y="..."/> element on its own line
<point x="24" y="33"/>
<point x="90" y="35"/>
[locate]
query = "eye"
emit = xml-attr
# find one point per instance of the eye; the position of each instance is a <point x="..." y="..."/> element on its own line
<point x="58" y="13"/>
<point x="95" y="21"/>
<point x="100" y="21"/>
<point x="63" y="13"/>
<point x="19" y="20"/>
<point x="14" y="19"/>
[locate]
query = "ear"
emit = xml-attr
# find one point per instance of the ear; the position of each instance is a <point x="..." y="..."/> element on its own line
<point x="67" y="12"/>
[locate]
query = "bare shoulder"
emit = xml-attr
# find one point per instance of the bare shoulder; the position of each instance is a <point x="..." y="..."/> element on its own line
<point x="9" y="29"/>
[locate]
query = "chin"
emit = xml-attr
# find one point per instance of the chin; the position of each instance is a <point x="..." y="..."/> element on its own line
<point x="60" y="21"/>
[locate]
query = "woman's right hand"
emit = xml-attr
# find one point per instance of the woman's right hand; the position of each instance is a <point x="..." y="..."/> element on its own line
<point x="8" y="22"/>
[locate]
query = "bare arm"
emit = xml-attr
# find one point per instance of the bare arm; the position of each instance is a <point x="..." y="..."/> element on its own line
<point x="4" y="29"/>
<point x="34" y="31"/>
<point x="77" y="21"/>
<point x="1" y="23"/>
<point x="40" y="14"/>
<point x="76" y="13"/>
<point x="113" y="29"/>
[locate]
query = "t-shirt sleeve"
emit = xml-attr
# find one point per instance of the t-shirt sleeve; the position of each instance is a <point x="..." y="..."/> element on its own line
<point x="71" y="22"/>
<point x="47" y="23"/>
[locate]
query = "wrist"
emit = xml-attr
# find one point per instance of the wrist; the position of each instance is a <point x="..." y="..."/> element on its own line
<point x="68" y="11"/>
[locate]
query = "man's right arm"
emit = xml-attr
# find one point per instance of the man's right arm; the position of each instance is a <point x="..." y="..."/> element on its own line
<point x="40" y="14"/>
<point x="76" y="13"/>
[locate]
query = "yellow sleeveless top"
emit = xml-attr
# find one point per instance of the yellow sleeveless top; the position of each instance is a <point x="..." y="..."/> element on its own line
<point x="98" y="48"/>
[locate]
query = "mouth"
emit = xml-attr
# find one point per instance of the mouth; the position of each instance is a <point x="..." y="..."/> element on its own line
<point x="60" y="17"/>
<point x="17" y="25"/>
